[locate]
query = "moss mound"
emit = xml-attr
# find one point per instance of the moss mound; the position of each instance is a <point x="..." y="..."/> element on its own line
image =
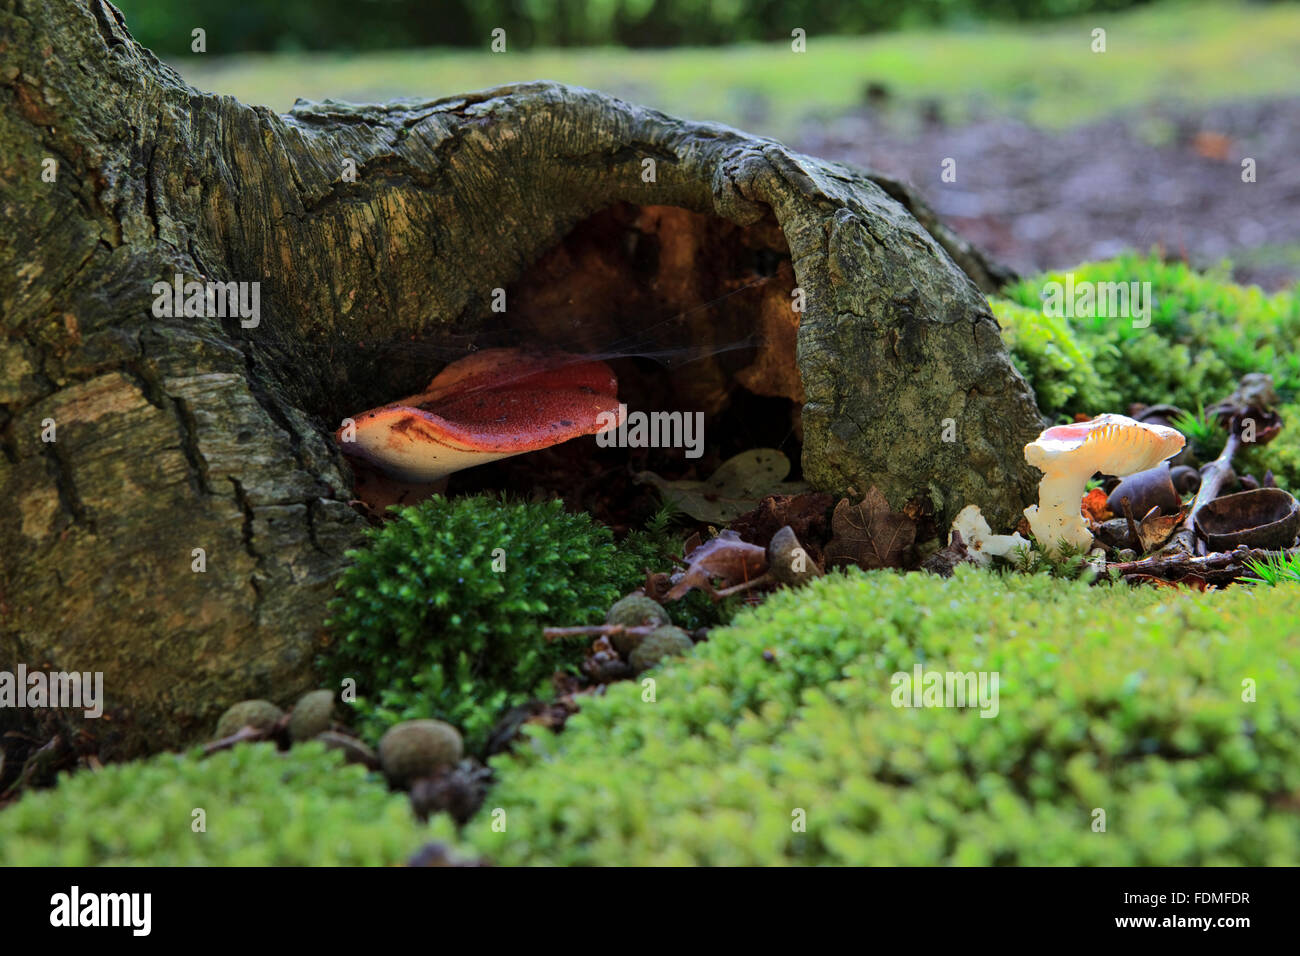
<point x="1125" y="701"/>
<point x="262" y="807"/>
<point x="441" y="615"/>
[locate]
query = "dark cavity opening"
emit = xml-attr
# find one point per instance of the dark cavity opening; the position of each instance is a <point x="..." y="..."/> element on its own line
<point x="692" y="312"/>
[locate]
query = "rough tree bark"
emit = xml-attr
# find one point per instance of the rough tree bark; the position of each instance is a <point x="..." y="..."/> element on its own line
<point x="174" y="434"/>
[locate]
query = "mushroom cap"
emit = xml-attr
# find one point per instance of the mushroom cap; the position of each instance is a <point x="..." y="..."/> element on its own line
<point x="1110" y="444"/>
<point x="489" y="405"/>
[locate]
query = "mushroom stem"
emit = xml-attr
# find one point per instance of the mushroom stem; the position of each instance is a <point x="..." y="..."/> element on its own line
<point x="1053" y="528"/>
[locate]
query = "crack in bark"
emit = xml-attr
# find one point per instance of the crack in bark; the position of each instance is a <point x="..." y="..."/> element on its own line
<point x="69" y="500"/>
<point x="150" y="190"/>
<point x="246" y="534"/>
<point x="107" y="30"/>
<point x="189" y="436"/>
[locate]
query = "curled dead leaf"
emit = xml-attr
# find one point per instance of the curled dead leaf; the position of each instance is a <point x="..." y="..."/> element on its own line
<point x="1154" y="529"/>
<point x="726" y="560"/>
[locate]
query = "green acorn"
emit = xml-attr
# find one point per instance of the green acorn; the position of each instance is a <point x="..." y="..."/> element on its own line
<point x="664" y="642"/>
<point x="635" y="610"/>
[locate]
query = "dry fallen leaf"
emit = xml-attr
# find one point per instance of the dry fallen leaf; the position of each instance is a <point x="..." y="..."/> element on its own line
<point x="1155" y="529"/>
<point x="726" y="559"/>
<point x="1193" y="582"/>
<point x="870" y="534"/>
<point x="943" y="561"/>
<point x="735" y="488"/>
<point x="807" y="515"/>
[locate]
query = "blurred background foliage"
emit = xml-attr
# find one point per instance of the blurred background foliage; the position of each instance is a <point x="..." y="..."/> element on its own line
<point x="291" y="25"/>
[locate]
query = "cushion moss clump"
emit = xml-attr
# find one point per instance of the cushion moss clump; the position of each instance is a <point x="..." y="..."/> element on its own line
<point x="635" y="610"/>
<point x="263" y="808"/>
<point x="1126" y="701"/>
<point x="433" y="621"/>
<point x="1205" y="333"/>
<point x="1055" y="361"/>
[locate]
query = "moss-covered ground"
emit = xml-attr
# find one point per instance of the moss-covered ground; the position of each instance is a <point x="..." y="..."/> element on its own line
<point x="1129" y="726"/>
<point x="1157" y="715"/>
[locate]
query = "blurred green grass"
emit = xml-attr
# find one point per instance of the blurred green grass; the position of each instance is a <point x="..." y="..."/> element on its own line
<point x="1186" y="52"/>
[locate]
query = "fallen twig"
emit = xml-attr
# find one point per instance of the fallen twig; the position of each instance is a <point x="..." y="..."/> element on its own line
<point x="1222" y="567"/>
<point x="245" y="733"/>
<point x="1212" y="478"/>
<point x="596" y="630"/>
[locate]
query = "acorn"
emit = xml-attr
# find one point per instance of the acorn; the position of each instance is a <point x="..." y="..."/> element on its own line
<point x="663" y="642"/>
<point x="416" y="748"/>
<point x="258" y="714"/>
<point x="311" y="715"/>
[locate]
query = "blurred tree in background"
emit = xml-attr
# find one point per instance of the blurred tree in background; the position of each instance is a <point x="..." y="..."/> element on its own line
<point x="165" y="25"/>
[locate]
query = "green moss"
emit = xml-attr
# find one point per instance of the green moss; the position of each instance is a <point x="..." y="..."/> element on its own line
<point x="441" y="615"/>
<point x="1057" y="365"/>
<point x="1128" y="701"/>
<point x="262" y="808"/>
<point x="1205" y="333"/>
<point x="1281" y="455"/>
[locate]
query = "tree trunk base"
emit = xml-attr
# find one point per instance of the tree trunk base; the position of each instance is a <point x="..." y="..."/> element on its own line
<point x="182" y="531"/>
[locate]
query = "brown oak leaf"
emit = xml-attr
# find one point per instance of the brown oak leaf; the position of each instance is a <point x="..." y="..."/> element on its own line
<point x="943" y="561"/>
<point x="870" y="534"/>
<point x="806" y="514"/>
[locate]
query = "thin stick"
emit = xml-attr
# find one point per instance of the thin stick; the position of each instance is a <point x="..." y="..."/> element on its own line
<point x="594" y="630"/>
<point x="1217" y="568"/>
<point x="1212" y="479"/>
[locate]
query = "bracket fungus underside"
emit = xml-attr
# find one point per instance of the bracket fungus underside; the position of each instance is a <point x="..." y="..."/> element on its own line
<point x="490" y="405"/>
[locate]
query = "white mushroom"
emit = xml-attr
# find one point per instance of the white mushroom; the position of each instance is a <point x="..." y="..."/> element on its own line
<point x="979" y="538"/>
<point x="1068" y="455"/>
